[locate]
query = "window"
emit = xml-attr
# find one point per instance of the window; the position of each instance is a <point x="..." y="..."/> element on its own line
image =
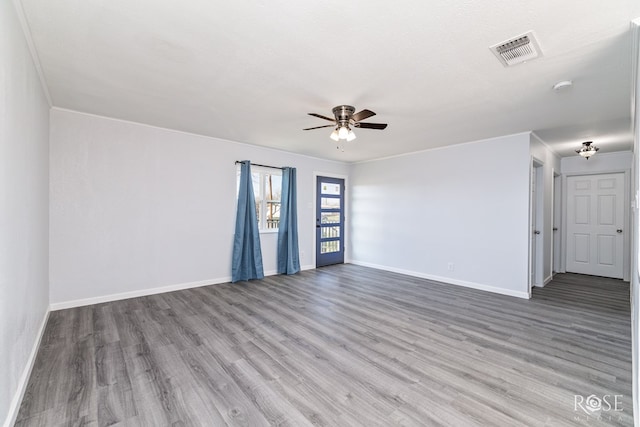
<point x="267" y="188"/>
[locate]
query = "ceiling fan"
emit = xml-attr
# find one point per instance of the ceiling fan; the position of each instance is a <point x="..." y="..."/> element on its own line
<point x="345" y="119"/>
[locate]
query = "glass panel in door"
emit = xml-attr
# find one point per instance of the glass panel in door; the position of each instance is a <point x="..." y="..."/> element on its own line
<point x="329" y="221"/>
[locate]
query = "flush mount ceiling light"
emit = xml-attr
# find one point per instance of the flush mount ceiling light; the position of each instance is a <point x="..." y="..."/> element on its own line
<point x="345" y="119"/>
<point x="565" y="84"/>
<point x="587" y="150"/>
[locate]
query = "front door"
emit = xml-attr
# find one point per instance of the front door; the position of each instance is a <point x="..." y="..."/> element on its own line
<point x="329" y="221"/>
<point x="595" y="218"/>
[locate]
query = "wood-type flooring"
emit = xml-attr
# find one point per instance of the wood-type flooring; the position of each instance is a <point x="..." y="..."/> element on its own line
<point x="339" y="346"/>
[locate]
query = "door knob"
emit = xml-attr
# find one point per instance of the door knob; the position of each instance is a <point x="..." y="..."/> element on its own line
<point x="619" y="230"/>
<point x="536" y="232"/>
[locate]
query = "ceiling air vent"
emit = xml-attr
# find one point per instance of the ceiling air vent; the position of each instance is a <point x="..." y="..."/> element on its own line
<point x="517" y="50"/>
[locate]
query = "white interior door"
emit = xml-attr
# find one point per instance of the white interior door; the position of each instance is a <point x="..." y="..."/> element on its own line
<point x="557" y="219"/>
<point x="536" y="217"/>
<point x="534" y="231"/>
<point x="595" y="217"/>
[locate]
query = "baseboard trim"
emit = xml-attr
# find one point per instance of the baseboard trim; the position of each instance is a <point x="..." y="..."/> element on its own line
<point x="135" y="294"/>
<point x="446" y="280"/>
<point x="14" y="406"/>
<point x="544" y="282"/>
<point x="150" y="291"/>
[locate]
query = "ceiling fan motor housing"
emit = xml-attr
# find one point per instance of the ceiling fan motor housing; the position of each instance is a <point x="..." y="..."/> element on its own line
<point x="343" y="113"/>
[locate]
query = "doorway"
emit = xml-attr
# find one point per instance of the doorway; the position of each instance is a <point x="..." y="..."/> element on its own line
<point x="557" y="220"/>
<point x="536" y="225"/>
<point x="595" y="219"/>
<point x="329" y="221"/>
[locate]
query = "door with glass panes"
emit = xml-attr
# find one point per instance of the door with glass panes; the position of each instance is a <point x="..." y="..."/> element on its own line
<point x="329" y="221"/>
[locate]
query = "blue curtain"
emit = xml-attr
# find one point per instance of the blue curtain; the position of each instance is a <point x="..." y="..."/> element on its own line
<point x="288" y="254"/>
<point x="247" y="256"/>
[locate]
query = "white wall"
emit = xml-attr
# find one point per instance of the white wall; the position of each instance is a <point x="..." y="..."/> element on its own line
<point x="466" y="204"/>
<point x="134" y="207"/>
<point x="24" y="218"/>
<point x="600" y="163"/>
<point x="550" y="164"/>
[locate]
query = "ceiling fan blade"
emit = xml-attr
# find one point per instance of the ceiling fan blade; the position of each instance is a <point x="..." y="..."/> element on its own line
<point x="318" y="127"/>
<point x="364" y="114"/>
<point x="372" y="125"/>
<point x="322" y="117"/>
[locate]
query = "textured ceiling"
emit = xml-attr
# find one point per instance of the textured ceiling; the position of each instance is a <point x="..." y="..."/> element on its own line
<point x="249" y="71"/>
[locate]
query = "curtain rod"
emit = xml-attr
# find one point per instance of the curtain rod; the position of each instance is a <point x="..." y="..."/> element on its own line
<point x="262" y="166"/>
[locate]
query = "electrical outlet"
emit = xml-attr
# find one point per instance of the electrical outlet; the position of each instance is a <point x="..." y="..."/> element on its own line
<point x="450" y="266"/>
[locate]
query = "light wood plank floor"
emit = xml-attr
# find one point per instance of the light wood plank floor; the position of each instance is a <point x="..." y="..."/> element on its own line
<point x="338" y="346"/>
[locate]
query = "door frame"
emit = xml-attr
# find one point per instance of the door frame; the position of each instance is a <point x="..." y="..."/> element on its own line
<point x="626" y="237"/>
<point x="347" y="205"/>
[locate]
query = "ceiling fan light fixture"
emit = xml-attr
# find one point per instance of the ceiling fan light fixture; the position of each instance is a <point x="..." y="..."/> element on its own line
<point x="345" y="118"/>
<point x="587" y="150"/>
<point x="343" y="132"/>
